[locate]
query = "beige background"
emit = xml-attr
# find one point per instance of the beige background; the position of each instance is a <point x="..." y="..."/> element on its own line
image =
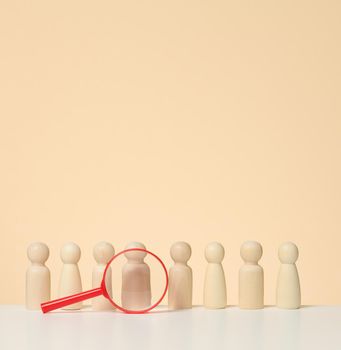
<point x="172" y="120"/>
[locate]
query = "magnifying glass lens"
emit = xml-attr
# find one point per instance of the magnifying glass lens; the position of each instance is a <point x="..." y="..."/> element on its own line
<point x="135" y="281"/>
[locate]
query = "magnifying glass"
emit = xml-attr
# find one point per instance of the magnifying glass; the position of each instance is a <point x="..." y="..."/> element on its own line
<point x="136" y="275"/>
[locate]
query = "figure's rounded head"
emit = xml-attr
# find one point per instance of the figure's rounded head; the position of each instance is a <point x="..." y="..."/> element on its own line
<point x="288" y="253"/>
<point x="251" y="251"/>
<point x="70" y="253"/>
<point x="103" y="252"/>
<point x="38" y="252"/>
<point x="214" y="252"/>
<point x="135" y="254"/>
<point x="181" y="252"/>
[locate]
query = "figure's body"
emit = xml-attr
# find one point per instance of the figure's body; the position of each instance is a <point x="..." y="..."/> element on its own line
<point x="70" y="279"/>
<point x="288" y="282"/>
<point x="180" y="277"/>
<point x="251" y="277"/>
<point x="215" y="284"/>
<point x="38" y="281"/>
<point x="102" y="252"/>
<point x="136" y="289"/>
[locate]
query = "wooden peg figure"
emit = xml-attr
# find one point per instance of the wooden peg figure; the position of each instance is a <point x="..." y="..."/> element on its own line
<point x="136" y="289"/>
<point x="251" y="277"/>
<point x="70" y="279"/>
<point x="215" y="285"/>
<point x="288" y="282"/>
<point x="180" y="277"/>
<point x="38" y="281"/>
<point x="102" y="252"/>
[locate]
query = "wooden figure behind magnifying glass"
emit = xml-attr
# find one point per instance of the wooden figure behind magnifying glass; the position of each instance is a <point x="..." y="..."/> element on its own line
<point x="103" y="252"/>
<point x="70" y="278"/>
<point x="136" y="291"/>
<point x="38" y="283"/>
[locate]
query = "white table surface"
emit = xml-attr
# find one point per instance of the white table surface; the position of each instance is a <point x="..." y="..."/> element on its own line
<point x="309" y="328"/>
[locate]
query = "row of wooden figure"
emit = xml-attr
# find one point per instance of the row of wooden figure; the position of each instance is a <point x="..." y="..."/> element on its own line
<point x="136" y="293"/>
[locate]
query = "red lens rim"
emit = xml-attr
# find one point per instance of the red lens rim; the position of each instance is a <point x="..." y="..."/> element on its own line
<point x="143" y="311"/>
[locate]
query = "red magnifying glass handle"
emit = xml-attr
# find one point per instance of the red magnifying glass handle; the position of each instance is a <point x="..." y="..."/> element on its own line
<point x="71" y="299"/>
